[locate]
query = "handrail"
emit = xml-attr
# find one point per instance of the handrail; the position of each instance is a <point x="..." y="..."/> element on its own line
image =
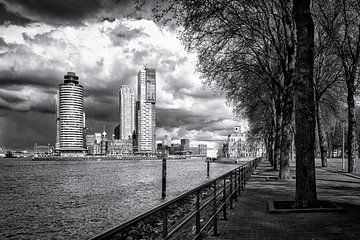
<point x="242" y="174"/>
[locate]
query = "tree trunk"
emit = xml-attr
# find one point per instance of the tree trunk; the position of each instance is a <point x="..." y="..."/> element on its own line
<point x="351" y="143"/>
<point x="278" y="124"/>
<point x="321" y="134"/>
<point x="305" y="106"/>
<point x="270" y="148"/>
<point x="284" y="173"/>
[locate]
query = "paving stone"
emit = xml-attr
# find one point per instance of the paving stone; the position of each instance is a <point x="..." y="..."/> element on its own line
<point x="250" y="218"/>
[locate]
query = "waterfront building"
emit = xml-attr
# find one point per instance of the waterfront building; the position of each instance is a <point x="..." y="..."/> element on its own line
<point x="120" y="147"/>
<point x="185" y="144"/>
<point x="175" y="148"/>
<point x="104" y="143"/>
<point x="202" y="149"/>
<point x="199" y="150"/>
<point x="166" y="141"/>
<point x="145" y="112"/>
<point x="71" y="117"/>
<point x="127" y="112"/>
<point x="90" y="142"/>
<point x="238" y="145"/>
<point x="97" y="144"/>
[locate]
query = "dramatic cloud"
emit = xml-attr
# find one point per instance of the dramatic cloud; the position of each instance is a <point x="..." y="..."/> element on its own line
<point x="70" y="12"/>
<point x="7" y="17"/>
<point x="106" y="54"/>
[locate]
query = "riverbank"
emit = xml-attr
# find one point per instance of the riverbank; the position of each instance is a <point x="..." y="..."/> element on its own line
<point x="100" y="158"/>
<point x="95" y="158"/>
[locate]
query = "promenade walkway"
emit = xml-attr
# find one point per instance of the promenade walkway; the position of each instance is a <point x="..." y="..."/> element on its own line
<point x="250" y="218"/>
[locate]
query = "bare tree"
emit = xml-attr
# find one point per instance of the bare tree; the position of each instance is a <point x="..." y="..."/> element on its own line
<point x="341" y="20"/>
<point x="230" y="37"/>
<point x="237" y="41"/>
<point x="327" y="77"/>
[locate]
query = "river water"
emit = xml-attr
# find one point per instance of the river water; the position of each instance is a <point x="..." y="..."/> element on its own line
<point x="79" y="199"/>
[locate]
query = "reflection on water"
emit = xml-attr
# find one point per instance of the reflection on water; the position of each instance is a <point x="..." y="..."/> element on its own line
<point x="79" y="199"/>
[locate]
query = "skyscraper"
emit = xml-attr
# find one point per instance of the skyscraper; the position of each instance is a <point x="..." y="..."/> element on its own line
<point x="57" y="142"/>
<point x="146" y="142"/>
<point x="71" y="116"/>
<point x="127" y="112"/>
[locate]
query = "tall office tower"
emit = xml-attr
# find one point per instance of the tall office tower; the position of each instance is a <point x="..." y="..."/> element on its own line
<point x="146" y="142"/>
<point x="127" y="112"/>
<point x="71" y="116"/>
<point x="57" y="142"/>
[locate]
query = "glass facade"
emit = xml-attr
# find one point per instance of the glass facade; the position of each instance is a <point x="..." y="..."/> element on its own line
<point x="146" y="114"/>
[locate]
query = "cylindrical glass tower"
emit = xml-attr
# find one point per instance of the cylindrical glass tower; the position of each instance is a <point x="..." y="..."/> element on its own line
<point x="71" y="114"/>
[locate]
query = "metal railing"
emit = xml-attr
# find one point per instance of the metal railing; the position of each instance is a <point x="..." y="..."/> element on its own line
<point x="166" y="220"/>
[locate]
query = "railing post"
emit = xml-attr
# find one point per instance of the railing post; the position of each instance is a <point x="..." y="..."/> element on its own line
<point x="165" y="224"/>
<point x="197" y="211"/>
<point x="163" y="189"/>
<point x="242" y="179"/>
<point x="239" y="181"/>
<point x="224" y="199"/>
<point x="231" y="190"/>
<point x="208" y="168"/>
<point x="247" y="173"/>
<point x="236" y="185"/>
<point x="214" y="211"/>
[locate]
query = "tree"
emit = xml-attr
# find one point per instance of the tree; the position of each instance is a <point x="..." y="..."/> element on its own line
<point x="305" y="106"/>
<point x="244" y="44"/>
<point x="328" y="84"/>
<point x="341" y="20"/>
<point x="231" y="37"/>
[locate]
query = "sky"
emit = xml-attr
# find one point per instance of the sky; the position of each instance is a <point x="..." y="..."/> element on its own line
<point x="106" y="43"/>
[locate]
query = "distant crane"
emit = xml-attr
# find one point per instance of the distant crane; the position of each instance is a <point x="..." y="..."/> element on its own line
<point x="42" y="150"/>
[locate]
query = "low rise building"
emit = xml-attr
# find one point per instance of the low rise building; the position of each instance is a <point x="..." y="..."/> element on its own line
<point x="239" y="146"/>
<point x="120" y="147"/>
<point x="199" y="150"/>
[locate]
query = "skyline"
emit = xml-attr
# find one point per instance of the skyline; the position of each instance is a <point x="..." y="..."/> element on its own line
<point x="106" y="52"/>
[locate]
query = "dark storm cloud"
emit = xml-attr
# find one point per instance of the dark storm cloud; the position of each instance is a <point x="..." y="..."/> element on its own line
<point x="170" y="118"/>
<point x="7" y="17"/>
<point x="72" y="12"/>
<point x="106" y="112"/>
<point x="22" y="130"/>
<point x="32" y="78"/>
<point x="57" y="11"/>
<point x="17" y="99"/>
<point x="121" y="74"/>
<point x="202" y="95"/>
<point x="11" y="98"/>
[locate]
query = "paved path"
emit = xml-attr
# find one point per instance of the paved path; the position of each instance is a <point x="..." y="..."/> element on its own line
<point x="250" y="218"/>
<point x="336" y="165"/>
